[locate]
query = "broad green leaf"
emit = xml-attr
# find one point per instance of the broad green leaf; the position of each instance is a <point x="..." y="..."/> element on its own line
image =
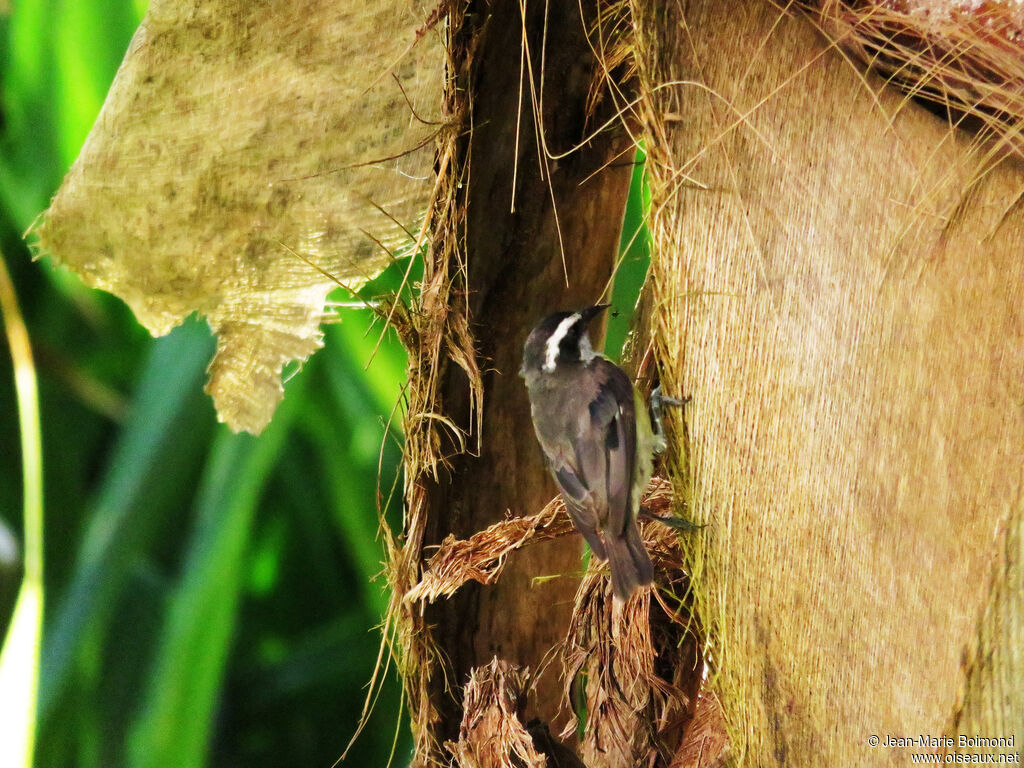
<point x="164" y="438"/>
<point x="634" y="258"/>
<point x="89" y="43"/>
<point x="178" y="714"/>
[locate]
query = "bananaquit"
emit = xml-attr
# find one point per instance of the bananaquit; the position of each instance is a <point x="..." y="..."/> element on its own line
<point x="598" y="439"/>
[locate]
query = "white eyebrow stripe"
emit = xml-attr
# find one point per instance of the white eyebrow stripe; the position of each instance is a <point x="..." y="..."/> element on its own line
<point x="551" y="348"/>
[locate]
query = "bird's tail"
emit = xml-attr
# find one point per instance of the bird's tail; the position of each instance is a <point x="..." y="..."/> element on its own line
<point x="629" y="562"/>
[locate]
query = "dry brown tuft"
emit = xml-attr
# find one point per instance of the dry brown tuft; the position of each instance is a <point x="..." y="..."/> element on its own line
<point x="492" y="734"/>
<point x="435" y="332"/>
<point x="482" y="556"/>
<point x="965" y="57"/>
<point x="635" y="669"/>
<point x="706" y="744"/>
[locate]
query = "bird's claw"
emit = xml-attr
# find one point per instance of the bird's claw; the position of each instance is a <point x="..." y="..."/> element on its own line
<point x="658" y="402"/>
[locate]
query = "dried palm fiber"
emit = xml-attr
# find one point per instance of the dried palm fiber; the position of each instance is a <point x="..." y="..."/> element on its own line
<point x="638" y="666"/>
<point x="966" y="57"/>
<point x="836" y="284"/>
<point x="435" y="333"/>
<point x="247" y="159"/>
<point x="492" y="734"/>
<point x="491" y="272"/>
<point x="482" y="556"/>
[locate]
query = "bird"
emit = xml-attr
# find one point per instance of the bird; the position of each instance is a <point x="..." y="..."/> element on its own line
<point x="598" y="440"/>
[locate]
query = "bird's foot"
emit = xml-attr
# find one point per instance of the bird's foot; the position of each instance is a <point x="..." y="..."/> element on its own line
<point x="658" y="403"/>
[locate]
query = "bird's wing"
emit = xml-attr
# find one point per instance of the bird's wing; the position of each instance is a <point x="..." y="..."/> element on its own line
<point x="606" y="445"/>
<point x="579" y="503"/>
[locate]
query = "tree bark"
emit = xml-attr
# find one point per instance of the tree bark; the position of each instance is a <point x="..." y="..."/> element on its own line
<point x="547" y="242"/>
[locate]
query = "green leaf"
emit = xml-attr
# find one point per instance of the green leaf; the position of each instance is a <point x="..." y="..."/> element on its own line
<point x="634" y="259"/>
<point x="359" y="401"/>
<point x="61" y="56"/>
<point x="19" y="659"/>
<point x="19" y="673"/>
<point x="90" y="42"/>
<point x="178" y="715"/>
<point x="163" y="439"/>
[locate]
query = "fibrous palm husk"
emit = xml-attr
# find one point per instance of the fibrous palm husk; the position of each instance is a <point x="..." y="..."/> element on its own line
<point x="493" y="734"/>
<point x="637" y="665"/>
<point x="248" y="159"/>
<point x="836" y="286"/>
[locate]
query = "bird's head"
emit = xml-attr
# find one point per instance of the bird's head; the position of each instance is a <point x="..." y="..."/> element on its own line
<point x="558" y="340"/>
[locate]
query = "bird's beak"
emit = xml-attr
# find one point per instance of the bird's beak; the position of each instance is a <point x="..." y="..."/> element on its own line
<point x="590" y="313"/>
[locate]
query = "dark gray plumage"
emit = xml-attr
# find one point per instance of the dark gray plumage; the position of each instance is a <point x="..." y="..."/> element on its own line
<point x="584" y="411"/>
